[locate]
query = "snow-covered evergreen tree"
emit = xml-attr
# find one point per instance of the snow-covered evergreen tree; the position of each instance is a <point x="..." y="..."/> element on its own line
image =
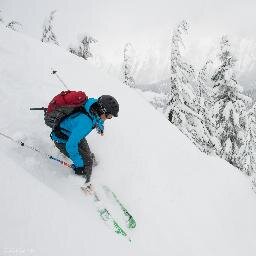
<point x="127" y="66"/>
<point x="181" y="108"/>
<point x="228" y="105"/>
<point x="204" y="96"/>
<point x="180" y="94"/>
<point x="251" y="93"/>
<point x="1" y="19"/>
<point x="159" y="102"/>
<point x="203" y="91"/>
<point x="48" y="34"/>
<point x="202" y="102"/>
<point x="248" y="151"/>
<point x="14" y="25"/>
<point x="83" y="49"/>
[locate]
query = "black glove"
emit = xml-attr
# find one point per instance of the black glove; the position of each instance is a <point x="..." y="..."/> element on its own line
<point x="79" y="170"/>
<point x="85" y="171"/>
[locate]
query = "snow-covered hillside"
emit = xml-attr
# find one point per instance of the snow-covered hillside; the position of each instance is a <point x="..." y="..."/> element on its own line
<point x="185" y="202"/>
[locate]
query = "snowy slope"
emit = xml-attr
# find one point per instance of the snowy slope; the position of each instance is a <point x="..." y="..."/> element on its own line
<point x="185" y="203"/>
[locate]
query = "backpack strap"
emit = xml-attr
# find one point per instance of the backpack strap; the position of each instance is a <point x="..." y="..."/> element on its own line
<point x="57" y="129"/>
<point x="83" y="111"/>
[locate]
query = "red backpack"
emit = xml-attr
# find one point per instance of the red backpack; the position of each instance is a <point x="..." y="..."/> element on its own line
<point x="63" y="105"/>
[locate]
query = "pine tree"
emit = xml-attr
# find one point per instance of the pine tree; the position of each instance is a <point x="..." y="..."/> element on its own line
<point x="204" y="98"/>
<point x="14" y="25"/>
<point x="251" y="93"/>
<point x="228" y="105"/>
<point x="1" y="19"/>
<point x="48" y="34"/>
<point x="83" y="49"/>
<point x="248" y="155"/>
<point x="180" y="109"/>
<point x="159" y="102"/>
<point x="180" y="91"/>
<point x="203" y="92"/>
<point x="127" y="66"/>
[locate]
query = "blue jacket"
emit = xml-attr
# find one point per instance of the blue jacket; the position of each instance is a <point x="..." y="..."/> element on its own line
<point x="76" y="127"/>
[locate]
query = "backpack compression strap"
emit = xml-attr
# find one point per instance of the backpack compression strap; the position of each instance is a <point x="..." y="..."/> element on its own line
<point x="58" y="129"/>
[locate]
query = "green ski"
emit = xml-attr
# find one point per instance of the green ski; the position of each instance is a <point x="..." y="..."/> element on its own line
<point x="104" y="213"/>
<point x="130" y="221"/>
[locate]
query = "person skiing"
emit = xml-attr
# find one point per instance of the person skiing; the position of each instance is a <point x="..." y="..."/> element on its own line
<point x="69" y="138"/>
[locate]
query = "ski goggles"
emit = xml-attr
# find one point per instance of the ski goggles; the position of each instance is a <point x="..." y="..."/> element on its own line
<point x="108" y="115"/>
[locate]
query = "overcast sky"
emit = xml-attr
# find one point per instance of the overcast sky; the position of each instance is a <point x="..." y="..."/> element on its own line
<point x="141" y="22"/>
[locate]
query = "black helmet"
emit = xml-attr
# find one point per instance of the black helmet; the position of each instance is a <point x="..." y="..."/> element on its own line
<point x="109" y="105"/>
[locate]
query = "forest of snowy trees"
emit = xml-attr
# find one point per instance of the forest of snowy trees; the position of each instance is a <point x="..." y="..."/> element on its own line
<point x="82" y="49"/>
<point x="209" y="105"/>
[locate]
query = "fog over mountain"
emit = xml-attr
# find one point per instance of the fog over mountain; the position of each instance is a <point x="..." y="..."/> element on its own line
<point x="154" y="65"/>
<point x="148" y="27"/>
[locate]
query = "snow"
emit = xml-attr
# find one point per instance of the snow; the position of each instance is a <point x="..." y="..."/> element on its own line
<point x="185" y="203"/>
<point x="228" y="110"/>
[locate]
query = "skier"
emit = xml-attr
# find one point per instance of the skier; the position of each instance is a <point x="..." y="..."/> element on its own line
<point x="69" y="138"/>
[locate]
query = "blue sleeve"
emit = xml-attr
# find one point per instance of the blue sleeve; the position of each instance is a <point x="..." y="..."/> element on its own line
<point x="83" y="127"/>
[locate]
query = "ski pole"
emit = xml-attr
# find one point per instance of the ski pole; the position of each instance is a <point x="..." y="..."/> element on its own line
<point x="21" y="143"/>
<point x="54" y="72"/>
<point x="42" y="108"/>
